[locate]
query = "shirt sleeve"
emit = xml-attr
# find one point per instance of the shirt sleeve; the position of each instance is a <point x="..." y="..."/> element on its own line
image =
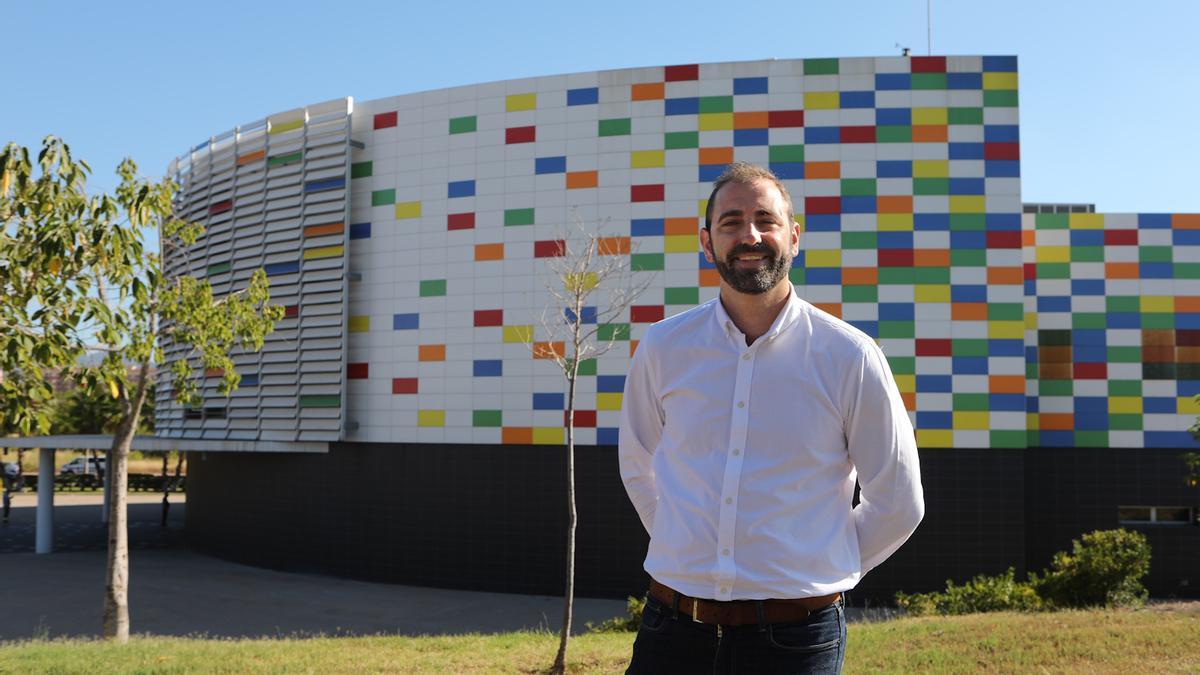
<point x="641" y="428"/>
<point x="883" y="448"/>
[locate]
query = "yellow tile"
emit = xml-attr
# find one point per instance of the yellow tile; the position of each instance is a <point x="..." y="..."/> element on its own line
<point x="935" y="438"/>
<point x="516" y="102"/>
<point x="931" y="168"/>
<point x="360" y="324"/>
<point x="608" y="400"/>
<point x="715" y="121"/>
<point x="408" y="210"/>
<point x="431" y="418"/>
<point x="1186" y="405"/>
<point x="799" y="218"/>
<point x="646" y="159"/>
<point x="518" y="334"/>
<point x="822" y="100"/>
<point x="549" y="435"/>
<point x="1053" y="254"/>
<point x="1006" y="330"/>
<point x="1125" y="405"/>
<point x="968" y="204"/>
<point x="701" y="207"/>
<point x="681" y="243"/>
<point x="322" y="252"/>
<point x="1031" y="421"/>
<point x="906" y="383"/>
<point x="999" y="80"/>
<point x="280" y="127"/>
<point x="932" y="293"/>
<point x="586" y="280"/>
<point x="964" y="419"/>
<point x="1086" y="221"/>
<point x="1158" y="304"/>
<point x="1031" y="320"/>
<point x="895" y="222"/>
<point x="823" y="258"/>
<point x="929" y="116"/>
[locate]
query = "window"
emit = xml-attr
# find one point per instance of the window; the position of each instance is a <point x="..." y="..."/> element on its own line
<point x="1154" y="515"/>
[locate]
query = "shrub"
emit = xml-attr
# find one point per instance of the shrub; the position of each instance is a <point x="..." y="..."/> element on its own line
<point x="998" y="593"/>
<point x="623" y="624"/>
<point x="1105" y="568"/>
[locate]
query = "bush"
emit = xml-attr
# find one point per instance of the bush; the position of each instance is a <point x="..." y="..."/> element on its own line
<point x="1105" y="568"/>
<point x="982" y="594"/>
<point x="623" y="624"/>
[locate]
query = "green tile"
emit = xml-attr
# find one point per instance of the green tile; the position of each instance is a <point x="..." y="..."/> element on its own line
<point x="1154" y="254"/>
<point x="1091" y="439"/>
<point x="889" y="133"/>
<point x="968" y="257"/>
<point x="929" y="81"/>
<point x="860" y="240"/>
<point x="931" y="186"/>
<point x="897" y="329"/>
<point x="796" y="276"/>
<point x="1123" y="303"/>
<point x="681" y="140"/>
<point x="716" y="104"/>
<point x="281" y="160"/>
<point x="612" y="331"/>
<point x="1124" y="387"/>
<point x="219" y="268"/>
<point x="361" y="169"/>
<point x="1125" y="355"/>
<point x="646" y="262"/>
<point x="968" y="222"/>
<point x="1051" y="221"/>
<point x="970" y="402"/>
<point x="685" y="295"/>
<point x="1007" y="438"/>
<point x="1056" y="388"/>
<point x="931" y="275"/>
<point x="1125" y="422"/>
<point x="383" y="197"/>
<point x="433" y="288"/>
<point x="858" y="187"/>
<point x="587" y="367"/>
<point x="1054" y="270"/>
<point x="1187" y="270"/>
<point x="969" y="347"/>
<point x="786" y="153"/>
<point x="321" y="401"/>
<point x="486" y="418"/>
<point x="1000" y="98"/>
<point x="1087" y="254"/>
<point x="1089" y="320"/>
<point x="896" y="275"/>
<point x="1006" y="311"/>
<point x="903" y="365"/>
<point x="860" y="294"/>
<point x="1031" y="371"/>
<point x="518" y="217"/>
<point x="820" y="66"/>
<point x="620" y="126"/>
<point x="462" y="125"/>
<point x="965" y="116"/>
<point x="1158" y="320"/>
<point x="1054" y="337"/>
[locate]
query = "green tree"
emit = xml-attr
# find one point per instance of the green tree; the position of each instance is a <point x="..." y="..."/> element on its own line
<point x="75" y="276"/>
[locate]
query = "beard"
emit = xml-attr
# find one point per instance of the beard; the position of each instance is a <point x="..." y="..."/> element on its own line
<point x="758" y="280"/>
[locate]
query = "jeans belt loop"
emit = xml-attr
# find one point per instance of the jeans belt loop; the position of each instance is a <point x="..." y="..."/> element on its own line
<point x="675" y="607"/>
<point x="762" y="617"/>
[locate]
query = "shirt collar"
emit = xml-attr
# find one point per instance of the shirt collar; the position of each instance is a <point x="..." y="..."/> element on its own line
<point x="783" y="321"/>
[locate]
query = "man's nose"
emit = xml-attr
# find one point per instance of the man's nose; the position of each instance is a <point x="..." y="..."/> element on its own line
<point x="749" y="234"/>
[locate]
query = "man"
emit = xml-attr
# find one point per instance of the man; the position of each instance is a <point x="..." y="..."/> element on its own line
<point x="745" y="422"/>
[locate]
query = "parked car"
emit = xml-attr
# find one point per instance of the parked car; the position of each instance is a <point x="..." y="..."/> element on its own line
<point x="83" y="465"/>
<point x="11" y="469"/>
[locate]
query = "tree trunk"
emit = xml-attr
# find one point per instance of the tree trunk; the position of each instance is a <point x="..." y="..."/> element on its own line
<point x="560" y="661"/>
<point x="166" y="488"/>
<point x="116" y="580"/>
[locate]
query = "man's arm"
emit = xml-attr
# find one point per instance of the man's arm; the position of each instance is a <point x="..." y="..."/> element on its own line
<point x="641" y="428"/>
<point x="883" y="447"/>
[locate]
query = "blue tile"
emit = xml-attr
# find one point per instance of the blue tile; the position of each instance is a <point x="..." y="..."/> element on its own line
<point x="893" y="81"/>
<point x="964" y="80"/>
<point x="823" y="222"/>
<point x="647" y="227"/>
<point x="969" y="186"/>
<point x="1186" y="237"/>
<point x="550" y="165"/>
<point x="326" y="184"/>
<point x="1123" y="320"/>
<point x="1087" y="237"/>
<point x="1091" y="422"/>
<point x="586" y="96"/>
<point x="788" y="170"/>
<point x="1096" y="337"/>
<point x="969" y="365"/>
<point x="1156" y="270"/>
<point x="968" y="293"/>
<point x="1187" y="320"/>
<point x="704" y="264"/>
<point x="931" y="222"/>
<point x="360" y="230"/>
<point x="1169" y="439"/>
<point x="1087" y="287"/>
<point x="1089" y="353"/>
<point x="589" y="314"/>
<point x="548" y="401"/>
<point x="966" y="150"/>
<point x="871" y="328"/>
<point x="681" y="106"/>
<point x="1031" y="354"/>
<point x="893" y="168"/>
<point x="935" y="420"/>
<point x="1159" y="404"/>
<point x="1001" y="133"/>
<point x="857" y="99"/>
<point x="823" y="276"/>
<point x="1002" y="222"/>
<point x="817" y="135"/>
<point x="896" y="311"/>
<point x="1011" y="347"/>
<point x="249" y="381"/>
<point x="999" y="64"/>
<point x="707" y="173"/>
<point x="488" y="368"/>
<point x="854" y="204"/>
<point x="901" y="117"/>
<point x="606" y="435"/>
<point x="1030" y="287"/>
<point x="1187" y="387"/>
<point x="1002" y="168"/>
<point x="406" y="321"/>
<point x="935" y="384"/>
<point x="460" y="188"/>
<point x="751" y="137"/>
<point x="282" y="268"/>
<point x="970" y="239"/>
<point x="1055" y="438"/>
<point x="1006" y="402"/>
<point x="749" y="85"/>
<point x="610" y="383"/>
<point x="1054" y="303"/>
<point x="895" y="239"/>
<point x="1032" y="404"/>
<point x="1154" y="221"/>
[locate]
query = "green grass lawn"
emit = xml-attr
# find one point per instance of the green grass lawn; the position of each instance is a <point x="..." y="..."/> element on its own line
<point x="1164" y="639"/>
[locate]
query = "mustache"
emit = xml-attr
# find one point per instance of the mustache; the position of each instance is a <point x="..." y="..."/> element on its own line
<point x="760" y="248"/>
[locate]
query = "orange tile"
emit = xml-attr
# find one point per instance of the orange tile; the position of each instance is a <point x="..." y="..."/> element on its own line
<point x="931" y="257"/>
<point x="823" y="170"/>
<point x="489" y="251"/>
<point x="928" y="133"/>
<point x="431" y="353"/>
<point x="1187" y="303"/>
<point x="1006" y="276"/>
<point x="750" y="120"/>
<point x="674" y="226"/>
<point x="1121" y="270"/>
<point x="251" y="157"/>
<point x="892" y="203"/>
<point x="1054" y="355"/>
<point x="1056" y="421"/>
<point x="860" y="276"/>
<point x="968" y="311"/>
<point x="1158" y="354"/>
<point x="649" y="91"/>
<point x="548" y="350"/>
<point x="1006" y="384"/>
<point x="613" y="245"/>
<point x="910" y="400"/>
<point x="1029" y="237"/>
<point x="582" y="179"/>
<point x="1158" y="337"/>
<point x="710" y="278"/>
<point x="1186" y="221"/>
<point x="214" y="372"/>
<point x="632" y="347"/>
<point x="1187" y="354"/>
<point x="716" y="155"/>
<point x="1054" y="371"/>
<point x="318" y="230"/>
<point x="834" y="308"/>
<point x="516" y="435"/>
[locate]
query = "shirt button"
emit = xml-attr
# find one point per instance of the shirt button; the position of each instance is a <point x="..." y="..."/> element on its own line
<point x="741" y="404"/>
<point x="729" y="500"/>
<point x="725" y="551"/>
<point x="737" y="451"/>
<point x="724" y="590"/>
<point x="746" y="356"/>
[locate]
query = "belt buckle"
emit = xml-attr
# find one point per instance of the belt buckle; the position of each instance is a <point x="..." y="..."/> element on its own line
<point x="695" y="611"/>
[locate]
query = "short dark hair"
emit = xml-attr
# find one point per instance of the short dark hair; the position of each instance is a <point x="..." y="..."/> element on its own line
<point x="744" y="172"/>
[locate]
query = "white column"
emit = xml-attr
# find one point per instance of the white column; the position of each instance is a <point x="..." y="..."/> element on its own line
<point x="45" y="502"/>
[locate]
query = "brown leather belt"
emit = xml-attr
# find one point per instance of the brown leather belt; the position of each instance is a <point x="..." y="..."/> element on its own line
<point x="741" y="612"/>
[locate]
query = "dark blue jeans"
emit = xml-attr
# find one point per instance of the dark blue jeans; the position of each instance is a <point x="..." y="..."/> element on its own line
<point x="670" y="642"/>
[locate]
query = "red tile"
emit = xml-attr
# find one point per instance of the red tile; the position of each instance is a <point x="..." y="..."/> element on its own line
<point x="1030" y="271"/>
<point x="460" y="221"/>
<point x="550" y="248"/>
<point x="645" y="313"/>
<point x="220" y="207"/>
<point x="1004" y="239"/>
<point x="385" y="120"/>
<point x="895" y="257"/>
<point x="584" y="419"/>
<point x="291" y="311"/>
<point x="928" y="64"/>
<point x="520" y="135"/>
<point x="858" y="134"/>
<point x="682" y="73"/>
<point x="933" y="347"/>
<point x="1002" y="151"/>
<point x="404" y="385"/>
<point x="646" y="193"/>
<point x="1120" y="237"/>
<point x="785" y="118"/>
<point x="489" y="317"/>
<point x="1091" y="371"/>
<point x="822" y="205"/>
<point x="356" y="371"/>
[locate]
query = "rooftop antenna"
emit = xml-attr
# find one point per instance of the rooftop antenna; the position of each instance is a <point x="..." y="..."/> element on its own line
<point x="929" y="27"/>
<point x="903" y="50"/>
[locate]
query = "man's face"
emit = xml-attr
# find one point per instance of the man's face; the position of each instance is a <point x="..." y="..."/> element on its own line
<point x="752" y="241"/>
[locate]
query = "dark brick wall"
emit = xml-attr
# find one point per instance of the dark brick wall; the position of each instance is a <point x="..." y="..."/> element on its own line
<point x="492" y="517"/>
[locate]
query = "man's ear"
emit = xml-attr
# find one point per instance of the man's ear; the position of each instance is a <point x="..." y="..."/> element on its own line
<point x="795" y="238"/>
<point x="706" y="244"/>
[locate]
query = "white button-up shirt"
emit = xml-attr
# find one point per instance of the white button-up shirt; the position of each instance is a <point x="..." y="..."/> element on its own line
<point x="741" y="460"/>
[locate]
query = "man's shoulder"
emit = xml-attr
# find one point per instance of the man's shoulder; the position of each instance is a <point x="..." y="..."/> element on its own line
<point x="834" y="332"/>
<point x="686" y="323"/>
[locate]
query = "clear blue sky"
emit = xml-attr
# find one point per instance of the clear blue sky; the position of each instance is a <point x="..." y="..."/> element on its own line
<point x="1109" y="90"/>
